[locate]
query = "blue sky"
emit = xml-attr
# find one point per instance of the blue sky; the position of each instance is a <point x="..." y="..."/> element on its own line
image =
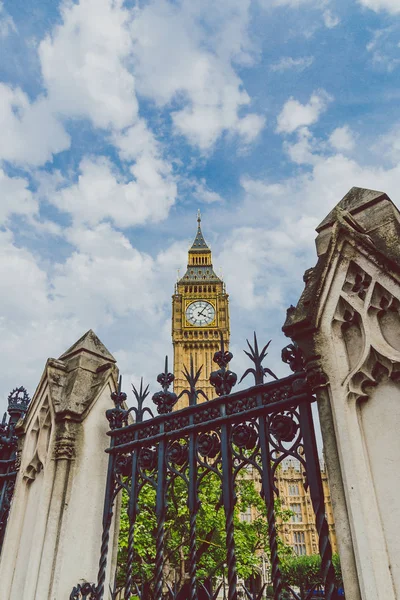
<point x="119" y="120"/>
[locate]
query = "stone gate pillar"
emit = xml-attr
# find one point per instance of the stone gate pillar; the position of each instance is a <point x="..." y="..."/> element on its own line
<point x="53" y="534"/>
<point x="347" y="323"/>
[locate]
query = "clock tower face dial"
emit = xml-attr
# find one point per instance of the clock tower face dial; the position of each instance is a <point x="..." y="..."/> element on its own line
<point x="200" y="313"/>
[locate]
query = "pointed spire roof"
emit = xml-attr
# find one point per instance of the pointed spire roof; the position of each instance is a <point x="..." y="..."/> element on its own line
<point x="199" y="241"/>
<point x="89" y="342"/>
<point x="355" y="200"/>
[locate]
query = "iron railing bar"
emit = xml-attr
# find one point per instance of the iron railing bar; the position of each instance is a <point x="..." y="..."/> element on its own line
<point x="8" y="475"/>
<point x="269" y="499"/>
<point x="160" y="512"/>
<point x="293" y="401"/>
<point x="214" y="403"/>
<point x="132" y="513"/>
<point x="193" y="503"/>
<point x="318" y="501"/>
<point x="107" y="519"/>
<point x="229" y="501"/>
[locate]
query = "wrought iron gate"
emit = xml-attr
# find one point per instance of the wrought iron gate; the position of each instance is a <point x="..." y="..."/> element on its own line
<point x="18" y="402"/>
<point x="250" y="431"/>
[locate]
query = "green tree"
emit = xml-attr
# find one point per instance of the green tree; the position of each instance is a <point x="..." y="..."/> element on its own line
<point x="304" y="572"/>
<point x="250" y="536"/>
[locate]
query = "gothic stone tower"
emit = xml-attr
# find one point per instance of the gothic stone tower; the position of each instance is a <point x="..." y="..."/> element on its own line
<point x="200" y="312"/>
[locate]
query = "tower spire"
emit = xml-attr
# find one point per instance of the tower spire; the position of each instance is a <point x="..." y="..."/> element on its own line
<point x="199" y="241"/>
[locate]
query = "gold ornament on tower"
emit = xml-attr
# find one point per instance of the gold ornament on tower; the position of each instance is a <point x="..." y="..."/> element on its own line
<point x="200" y="314"/>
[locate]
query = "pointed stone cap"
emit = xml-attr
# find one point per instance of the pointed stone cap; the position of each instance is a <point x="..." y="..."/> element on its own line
<point x="90" y="343"/>
<point x="369" y="211"/>
<point x="367" y="219"/>
<point x="356" y="200"/>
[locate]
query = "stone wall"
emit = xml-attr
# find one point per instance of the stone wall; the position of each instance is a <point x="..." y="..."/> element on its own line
<point x="347" y="323"/>
<point x="53" y="535"/>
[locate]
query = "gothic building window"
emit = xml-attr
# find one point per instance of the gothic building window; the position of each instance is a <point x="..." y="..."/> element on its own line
<point x="245" y="516"/>
<point x="296" y="509"/>
<point x="293" y="489"/>
<point x="299" y="544"/>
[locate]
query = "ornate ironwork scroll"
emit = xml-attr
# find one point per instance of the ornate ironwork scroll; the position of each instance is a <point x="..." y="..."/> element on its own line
<point x="18" y="401"/>
<point x="171" y="464"/>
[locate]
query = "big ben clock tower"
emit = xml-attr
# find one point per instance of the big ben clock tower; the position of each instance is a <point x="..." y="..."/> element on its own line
<point x="200" y="312"/>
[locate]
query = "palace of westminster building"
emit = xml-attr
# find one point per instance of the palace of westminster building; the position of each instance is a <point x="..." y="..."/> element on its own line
<point x="200" y="314"/>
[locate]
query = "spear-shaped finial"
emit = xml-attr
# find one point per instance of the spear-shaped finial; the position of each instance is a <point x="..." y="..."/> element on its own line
<point x="141" y="396"/>
<point x="198" y="216"/>
<point x="257" y="357"/>
<point x="192" y="378"/>
<point x="165" y="400"/>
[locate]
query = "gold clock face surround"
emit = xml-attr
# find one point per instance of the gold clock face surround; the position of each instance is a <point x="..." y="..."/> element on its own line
<point x="200" y="313"/>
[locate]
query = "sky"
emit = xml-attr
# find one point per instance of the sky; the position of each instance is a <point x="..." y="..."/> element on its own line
<point x="119" y="120"/>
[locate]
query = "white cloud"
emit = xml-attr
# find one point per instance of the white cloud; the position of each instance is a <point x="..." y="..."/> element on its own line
<point x="87" y="63"/>
<point x="388" y="144"/>
<point x="287" y="63"/>
<point x="23" y="285"/>
<point x="16" y="198"/>
<point x="303" y="150"/>
<point x="101" y="192"/>
<point x="313" y="193"/>
<point x="105" y="283"/>
<point x="202" y="192"/>
<point x="263" y="264"/>
<point x="7" y="24"/>
<point x="392" y="6"/>
<point x="84" y="63"/>
<point x="177" y="61"/>
<point x="30" y="133"/>
<point x="297" y="3"/>
<point x="342" y="139"/>
<point x="330" y="19"/>
<point x="249" y="257"/>
<point x="249" y="127"/>
<point x="384" y="48"/>
<point x="294" y="114"/>
<point x="100" y="272"/>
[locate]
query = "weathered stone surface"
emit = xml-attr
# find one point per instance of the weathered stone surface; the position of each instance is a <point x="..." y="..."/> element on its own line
<point x="347" y="322"/>
<point x="63" y="473"/>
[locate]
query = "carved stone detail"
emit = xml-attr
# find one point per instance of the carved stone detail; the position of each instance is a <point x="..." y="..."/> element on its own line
<point x="40" y="434"/>
<point x="345" y="314"/>
<point x="370" y="373"/>
<point x="315" y="375"/>
<point x="383" y="301"/>
<point x="357" y="281"/>
<point x="64" y="447"/>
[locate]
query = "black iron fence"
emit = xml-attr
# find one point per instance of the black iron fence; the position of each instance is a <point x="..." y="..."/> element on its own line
<point x="155" y="462"/>
<point x="18" y="401"/>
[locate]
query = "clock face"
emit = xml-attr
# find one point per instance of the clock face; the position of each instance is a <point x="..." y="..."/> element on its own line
<point x="200" y="313"/>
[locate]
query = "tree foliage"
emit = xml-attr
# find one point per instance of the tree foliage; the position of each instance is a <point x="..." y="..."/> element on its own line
<point x="251" y="537"/>
<point x="304" y="572"/>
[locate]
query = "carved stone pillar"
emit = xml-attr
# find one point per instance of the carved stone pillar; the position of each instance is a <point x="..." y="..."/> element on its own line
<point x="53" y="535"/>
<point x="347" y="323"/>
